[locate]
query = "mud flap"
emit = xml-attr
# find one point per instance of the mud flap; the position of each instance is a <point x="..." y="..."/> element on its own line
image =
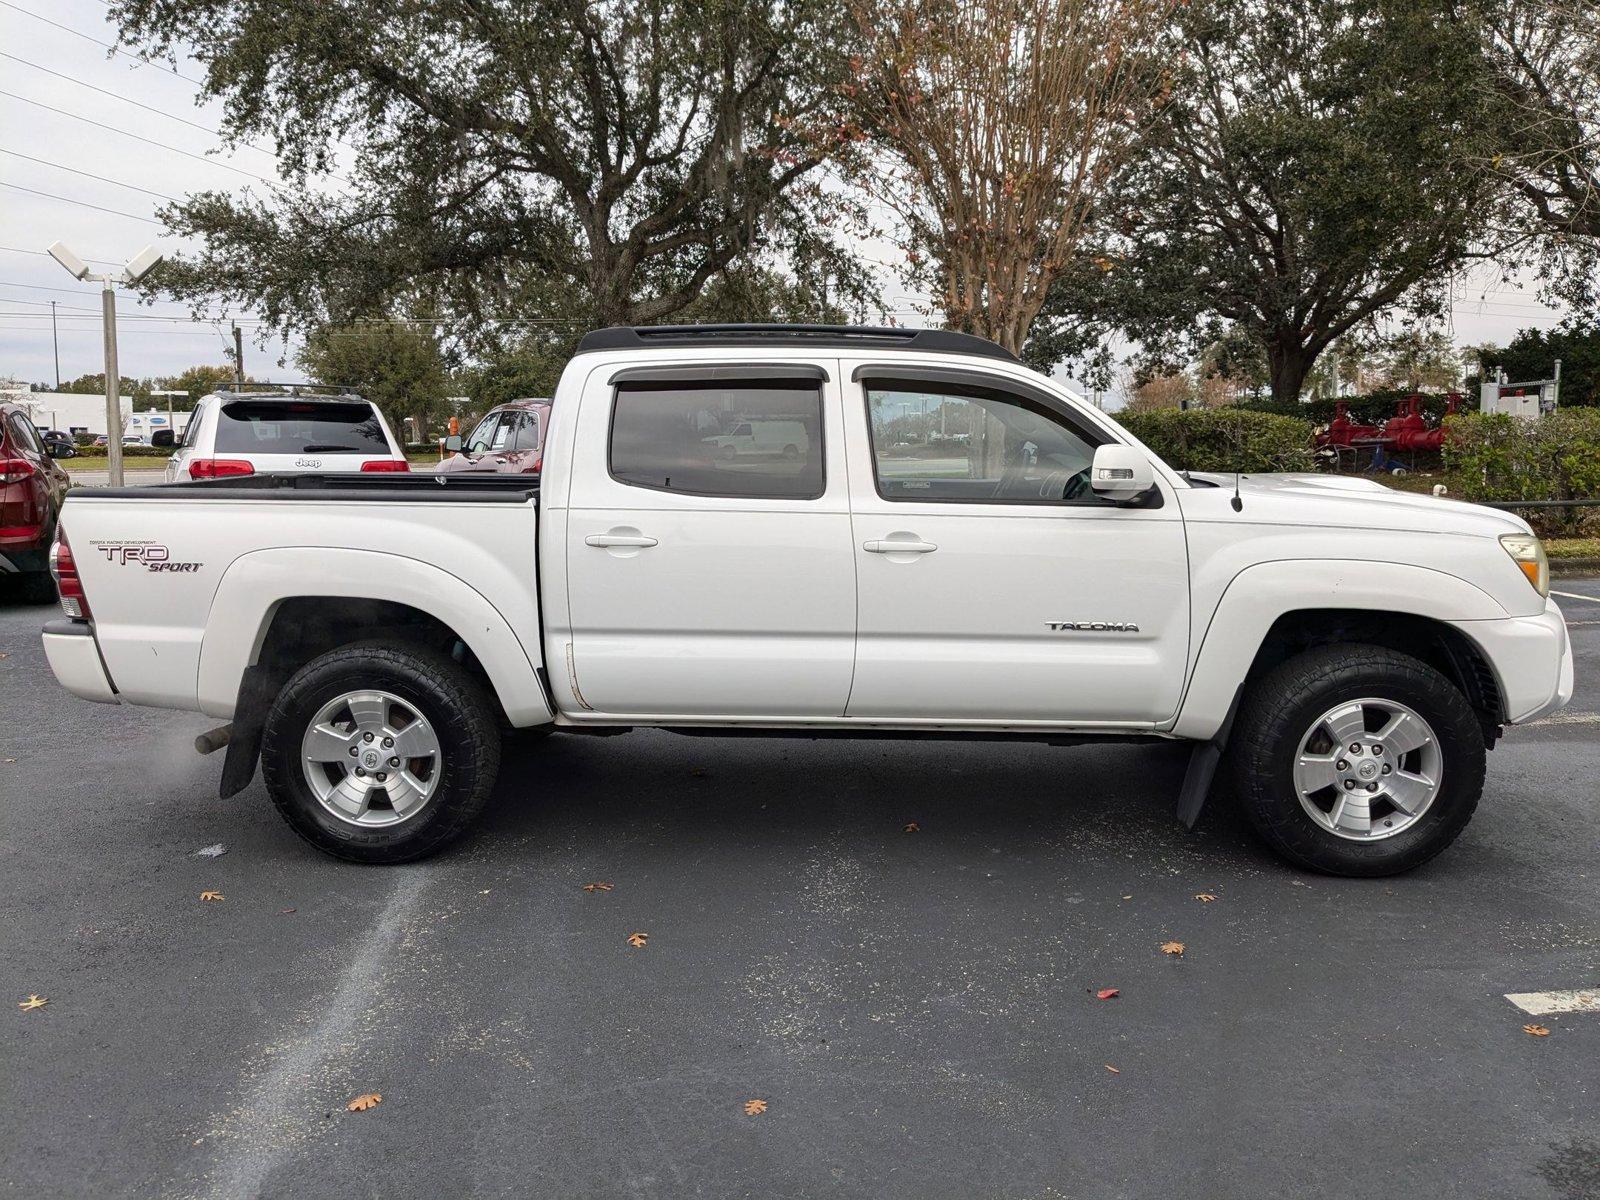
<point x="1203" y="769"/>
<point x="256" y="692"/>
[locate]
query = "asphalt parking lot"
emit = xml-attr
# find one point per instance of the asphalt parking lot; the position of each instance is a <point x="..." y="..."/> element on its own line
<point x="917" y="1009"/>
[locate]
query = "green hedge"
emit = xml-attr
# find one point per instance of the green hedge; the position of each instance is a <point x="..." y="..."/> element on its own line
<point x="1500" y="457"/>
<point x="1224" y="439"/>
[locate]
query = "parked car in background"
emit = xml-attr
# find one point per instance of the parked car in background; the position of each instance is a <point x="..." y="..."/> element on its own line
<point x="32" y="488"/>
<point x="243" y="433"/>
<point x="508" y="441"/>
<point x="60" y="445"/>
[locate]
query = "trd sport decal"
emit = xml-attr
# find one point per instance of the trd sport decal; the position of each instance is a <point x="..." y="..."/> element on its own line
<point x="143" y="554"/>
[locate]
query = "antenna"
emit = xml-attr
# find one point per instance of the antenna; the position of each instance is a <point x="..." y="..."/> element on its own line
<point x="1238" y="453"/>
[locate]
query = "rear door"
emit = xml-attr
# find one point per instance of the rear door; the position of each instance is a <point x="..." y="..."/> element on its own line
<point x="995" y="587"/>
<point x="704" y="583"/>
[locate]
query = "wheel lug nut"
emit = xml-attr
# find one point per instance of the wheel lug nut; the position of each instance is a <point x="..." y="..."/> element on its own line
<point x="1377" y="749"/>
<point x="1387" y="768"/>
<point x="1371" y="787"/>
<point x="384" y="778"/>
<point x="1340" y="765"/>
<point x="1349" y="785"/>
<point x="394" y="762"/>
<point x="1355" y="747"/>
<point x="354" y="752"/>
<point x="359" y="771"/>
<point x="366" y="737"/>
<point x="387" y="742"/>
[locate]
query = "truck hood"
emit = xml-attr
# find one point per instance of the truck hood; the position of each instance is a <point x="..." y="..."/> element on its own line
<point x="1341" y="500"/>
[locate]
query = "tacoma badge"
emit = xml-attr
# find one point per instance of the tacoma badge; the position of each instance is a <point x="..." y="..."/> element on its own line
<point x="1094" y="626"/>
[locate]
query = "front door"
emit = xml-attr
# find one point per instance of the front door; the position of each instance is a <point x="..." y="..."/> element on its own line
<point x="710" y="574"/>
<point x="995" y="586"/>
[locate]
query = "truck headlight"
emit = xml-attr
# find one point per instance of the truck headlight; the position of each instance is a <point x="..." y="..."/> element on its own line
<point x="1527" y="552"/>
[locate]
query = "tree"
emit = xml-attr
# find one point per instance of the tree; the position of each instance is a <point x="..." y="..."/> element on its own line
<point x="95" y="385"/>
<point x="1544" y="58"/>
<point x="396" y="365"/>
<point x="619" y="155"/>
<point x="1313" y="167"/>
<point x="1416" y="358"/>
<point x="197" y="381"/>
<point x="990" y="128"/>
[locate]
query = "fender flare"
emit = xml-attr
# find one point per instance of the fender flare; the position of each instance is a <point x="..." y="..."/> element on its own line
<point x="254" y="585"/>
<point x="1258" y="595"/>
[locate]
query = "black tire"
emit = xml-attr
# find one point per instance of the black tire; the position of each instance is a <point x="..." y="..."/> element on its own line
<point x="461" y="712"/>
<point x="1280" y="709"/>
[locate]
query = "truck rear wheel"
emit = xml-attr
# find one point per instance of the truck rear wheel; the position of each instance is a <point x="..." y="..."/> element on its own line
<point x="380" y="753"/>
<point x="1357" y="760"/>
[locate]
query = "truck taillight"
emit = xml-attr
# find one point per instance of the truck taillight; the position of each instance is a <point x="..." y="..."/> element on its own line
<point x="68" y="585"/>
<point x="386" y="464"/>
<point x="215" y="468"/>
<point x="15" y="470"/>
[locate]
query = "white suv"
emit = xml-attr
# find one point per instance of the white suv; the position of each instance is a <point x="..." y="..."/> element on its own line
<point x="234" y="433"/>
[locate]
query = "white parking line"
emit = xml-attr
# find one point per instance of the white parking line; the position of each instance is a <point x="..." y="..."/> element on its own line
<point x="1572" y="718"/>
<point x="1576" y="596"/>
<point x="1539" y="1004"/>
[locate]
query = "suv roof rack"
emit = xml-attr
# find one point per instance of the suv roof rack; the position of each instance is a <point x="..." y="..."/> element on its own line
<point x="854" y="337"/>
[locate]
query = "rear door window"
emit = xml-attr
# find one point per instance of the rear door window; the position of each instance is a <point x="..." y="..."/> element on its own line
<point x="299" y="427"/>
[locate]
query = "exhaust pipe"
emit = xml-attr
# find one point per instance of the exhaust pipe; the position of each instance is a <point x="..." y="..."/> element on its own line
<point x="213" y="740"/>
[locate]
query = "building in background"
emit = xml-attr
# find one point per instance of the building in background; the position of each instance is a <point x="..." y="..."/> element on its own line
<point x="70" y="412"/>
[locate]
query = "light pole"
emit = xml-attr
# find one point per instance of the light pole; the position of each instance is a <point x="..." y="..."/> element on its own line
<point x="137" y="268"/>
<point x="55" y="343"/>
<point x="171" y="424"/>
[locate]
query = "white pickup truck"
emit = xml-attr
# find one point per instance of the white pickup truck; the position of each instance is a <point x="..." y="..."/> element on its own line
<point x="955" y="547"/>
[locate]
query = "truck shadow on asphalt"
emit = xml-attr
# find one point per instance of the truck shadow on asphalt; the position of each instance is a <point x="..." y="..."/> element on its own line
<point x="672" y="792"/>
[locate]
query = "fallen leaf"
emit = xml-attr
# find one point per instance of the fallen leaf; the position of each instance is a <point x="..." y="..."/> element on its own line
<point x="1204" y="897"/>
<point x="286" y="910"/>
<point x="912" y="827"/>
<point x="597" y="887"/>
<point x="33" y="1002"/>
<point x="485" y="892"/>
<point x="212" y="896"/>
<point x="216" y="851"/>
<point x="1112" y="1069"/>
<point x="1172" y="948"/>
<point x="1127" y="897"/>
<point x="5" y="656"/>
<point x="362" y="1103"/>
<point x="1108" y="993"/>
<point x="699" y="772"/>
<point x="637" y="939"/>
<point x="754" y="1108"/>
<point x="7" y="761"/>
<point x="1536" y="1030"/>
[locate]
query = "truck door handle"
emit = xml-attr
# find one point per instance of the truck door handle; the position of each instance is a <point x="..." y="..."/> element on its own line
<point x="604" y="540"/>
<point x="892" y="546"/>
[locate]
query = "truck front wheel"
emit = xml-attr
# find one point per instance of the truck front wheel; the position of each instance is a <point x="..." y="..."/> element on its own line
<point x="380" y="753"/>
<point x="1357" y="760"/>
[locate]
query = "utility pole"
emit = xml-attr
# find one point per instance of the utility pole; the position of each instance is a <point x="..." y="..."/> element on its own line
<point x="137" y="268"/>
<point x="55" y="342"/>
<point x="238" y="358"/>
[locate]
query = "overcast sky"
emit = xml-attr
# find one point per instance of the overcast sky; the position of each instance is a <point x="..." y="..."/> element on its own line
<point x="105" y="166"/>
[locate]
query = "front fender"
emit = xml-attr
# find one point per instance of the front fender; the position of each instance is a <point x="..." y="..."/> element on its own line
<point x="255" y="584"/>
<point x="1258" y="595"/>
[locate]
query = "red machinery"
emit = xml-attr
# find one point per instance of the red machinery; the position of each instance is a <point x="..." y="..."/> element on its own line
<point x="1345" y="432"/>
<point x="1408" y="430"/>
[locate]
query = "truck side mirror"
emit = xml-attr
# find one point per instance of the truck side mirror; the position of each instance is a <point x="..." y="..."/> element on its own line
<point x="1121" y="473"/>
<point x="453" y="443"/>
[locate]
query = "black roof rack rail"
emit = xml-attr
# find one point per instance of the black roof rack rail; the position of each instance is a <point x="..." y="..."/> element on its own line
<point x="852" y="337"/>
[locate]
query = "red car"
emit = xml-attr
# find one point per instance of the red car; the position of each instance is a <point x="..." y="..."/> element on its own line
<point x="32" y="488"/>
<point x="508" y="441"/>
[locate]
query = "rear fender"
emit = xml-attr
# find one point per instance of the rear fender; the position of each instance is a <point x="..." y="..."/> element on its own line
<point x="256" y="584"/>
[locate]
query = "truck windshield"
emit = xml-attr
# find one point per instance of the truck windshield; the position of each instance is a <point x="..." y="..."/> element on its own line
<point x="299" y="426"/>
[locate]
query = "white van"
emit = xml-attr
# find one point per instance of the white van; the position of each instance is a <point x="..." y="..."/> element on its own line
<point x="767" y="439"/>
